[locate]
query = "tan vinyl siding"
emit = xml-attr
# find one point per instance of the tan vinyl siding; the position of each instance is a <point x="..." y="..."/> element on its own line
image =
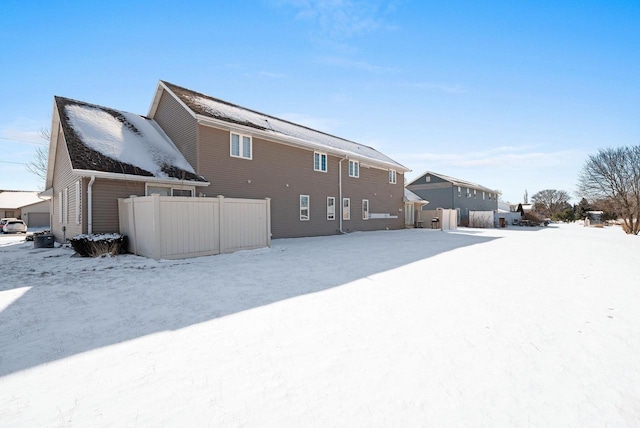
<point x="64" y="179"/>
<point x="105" y="202"/>
<point x="179" y="126"/>
<point x="283" y="173"/>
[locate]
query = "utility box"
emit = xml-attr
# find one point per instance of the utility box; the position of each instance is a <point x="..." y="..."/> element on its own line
<point x="43" y="241"/>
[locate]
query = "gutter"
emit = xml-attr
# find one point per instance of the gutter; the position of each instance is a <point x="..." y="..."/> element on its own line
<point x="340" y="191"/>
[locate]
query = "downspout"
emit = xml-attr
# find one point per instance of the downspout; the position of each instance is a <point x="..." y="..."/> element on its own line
<point x="340" y="191"/>
<point x="90" y="205"/>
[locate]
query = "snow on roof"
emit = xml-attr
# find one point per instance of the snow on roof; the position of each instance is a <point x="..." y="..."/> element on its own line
<point x="15" y="200"/>
<point x="139" y="142"/>
<point x="222" y="110"/>
<point x="456" y="181"/>
<point x="409" y="196"/>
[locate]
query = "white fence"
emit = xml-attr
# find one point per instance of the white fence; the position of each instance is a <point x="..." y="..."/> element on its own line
<point x="481" y="219"/>
<point x="166" y="227"/>
<point x="447" y="218"/>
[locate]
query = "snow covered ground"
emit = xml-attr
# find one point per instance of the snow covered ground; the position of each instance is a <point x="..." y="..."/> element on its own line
<point x="523" y="327"/>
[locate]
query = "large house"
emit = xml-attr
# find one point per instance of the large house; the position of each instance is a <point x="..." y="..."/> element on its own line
<point x="451" y="193"/>
<point x="192" y="144"/>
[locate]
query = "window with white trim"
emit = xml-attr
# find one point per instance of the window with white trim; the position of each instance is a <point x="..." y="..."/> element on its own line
<point x="489" y="196"/>
<point x="60" y="207"/>
<point x="304" y="207"/>
<point x="354" y="169"/>
<point x="65" y="212"/>
<point x="319" y="161"/>
<point x="392" y="176"/>
<point x="331" y="208"/>
<point x="468" y="192"/>
<point x="78" y="201"/>
<point x="483" y="196"/>
<point x="475" y="194"/>
<point x="346" y="209"/>
<point x="240" y="146"/>
<point x="154" y="189"/>
<point x="365" y="209"/>
<point x="459" y="191"/>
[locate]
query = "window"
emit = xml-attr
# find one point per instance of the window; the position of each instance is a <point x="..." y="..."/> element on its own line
<point x="78" y="201"/>
<point x="60" y="207"/>
<point x="320" y="161"/>
<point x="181" y="192"/>
<point x="346" y="209"/>
<point x="459" y="191"/>
<point x="365" y="209"/>
<point x="468" y="193"/>
<point x="392" y="176"/>
<point x="354" y="169"/>
<point x="483" y="196"/>
<point x="489" y="196"/>
<point x="304" y="207"/>
<point x="241" y="146"/>
<point x="474" y="194"/>
<point x="331" y="208"/>
<point x="65" y="211"/>
<point x="427" y="179"/>
<point x="169" y="191"/>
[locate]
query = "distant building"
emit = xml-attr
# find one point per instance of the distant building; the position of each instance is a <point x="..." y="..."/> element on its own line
<point x="452" y="193"/>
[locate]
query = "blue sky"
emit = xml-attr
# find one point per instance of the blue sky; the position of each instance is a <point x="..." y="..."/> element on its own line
<point x="510" y="95"/>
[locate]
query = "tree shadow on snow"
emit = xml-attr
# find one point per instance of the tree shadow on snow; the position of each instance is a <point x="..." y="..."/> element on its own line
<point x="59" y="306"/>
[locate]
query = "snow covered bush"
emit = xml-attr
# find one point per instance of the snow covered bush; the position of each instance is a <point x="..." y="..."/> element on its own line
<point x="97" y="245"/>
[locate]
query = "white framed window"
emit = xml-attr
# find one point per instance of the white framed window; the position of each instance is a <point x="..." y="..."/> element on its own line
<point x="354" y="169"/>
<point x="365" y="209"/>
<point x="459" y="191"/>
<point x="392" y="176"/>
<point x="60" y="207"/>
<point x="320" y="161"/>
<point x="78" y="201"/>
<point x="304" y="207"/>
<point x="475" y="194"/>
<point x="154" y="189"/>
<point x="346" y="209"/>
<point x="483" y="196"/>
<point x="427" y="179"/>
<point x="468" y="192"/>
<point x="331" y="208"/>
<point x="65" y="212"/>
<point x="241" y="146"/>
<point x="489" y="196"/>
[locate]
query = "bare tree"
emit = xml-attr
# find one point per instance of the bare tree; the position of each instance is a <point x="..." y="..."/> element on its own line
<point x="40" y="161"/>
<point x="614" y="175"/>
<point x="550" y="201"/>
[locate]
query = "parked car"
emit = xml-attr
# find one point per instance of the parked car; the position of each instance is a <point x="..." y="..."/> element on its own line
<point x="4" y="221"/>
<point x="14" y="226"/>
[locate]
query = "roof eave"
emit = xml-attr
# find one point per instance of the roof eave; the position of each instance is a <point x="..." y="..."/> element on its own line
<point x="130" y="177"/>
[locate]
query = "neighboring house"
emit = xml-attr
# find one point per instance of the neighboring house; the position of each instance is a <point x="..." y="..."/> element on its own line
<point x="38" y="214"/>
<point x="318" y="184"/>
<point x="12" y="203"/>
<point x="451" y="193"/>
<point x="97" y="155"/>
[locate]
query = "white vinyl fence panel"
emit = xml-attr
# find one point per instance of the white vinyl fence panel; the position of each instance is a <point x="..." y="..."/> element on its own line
<point x="165" y="227"/>
<point x="481" y="219"/>
<point x="448" y="218"/>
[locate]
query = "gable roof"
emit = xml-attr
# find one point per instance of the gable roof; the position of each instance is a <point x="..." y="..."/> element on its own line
<point x="455" y="182"/>
<point x="204" y="106"/>
<point x="105" y="140"/>
<point x="14" y="199"/>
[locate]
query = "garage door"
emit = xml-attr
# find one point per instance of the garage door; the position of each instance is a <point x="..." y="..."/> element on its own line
<point x="37" y="219"/>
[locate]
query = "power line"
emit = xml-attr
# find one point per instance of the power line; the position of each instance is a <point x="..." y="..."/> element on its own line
<point x="14" y="163"/>
<point x="23" y="141"/>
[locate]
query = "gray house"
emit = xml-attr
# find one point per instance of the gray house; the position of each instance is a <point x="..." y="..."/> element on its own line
<point x="191" y="144"/>
<point x="451" y="193"/>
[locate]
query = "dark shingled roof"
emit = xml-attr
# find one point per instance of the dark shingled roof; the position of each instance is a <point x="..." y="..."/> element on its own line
<point x="83" y="157"/>
<point x="232" y="113"/>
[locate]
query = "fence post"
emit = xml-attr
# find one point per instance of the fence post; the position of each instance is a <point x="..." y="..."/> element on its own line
<point x="221" y="226"/>
<point x="156" y="227"/>
<point x="131" y="213"/>
<point x="268" y="219"/>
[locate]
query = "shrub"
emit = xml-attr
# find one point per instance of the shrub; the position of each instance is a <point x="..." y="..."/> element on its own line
<point x="99" y="244"/>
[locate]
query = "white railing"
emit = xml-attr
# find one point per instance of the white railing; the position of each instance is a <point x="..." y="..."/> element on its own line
<point x="165" y="227"/>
